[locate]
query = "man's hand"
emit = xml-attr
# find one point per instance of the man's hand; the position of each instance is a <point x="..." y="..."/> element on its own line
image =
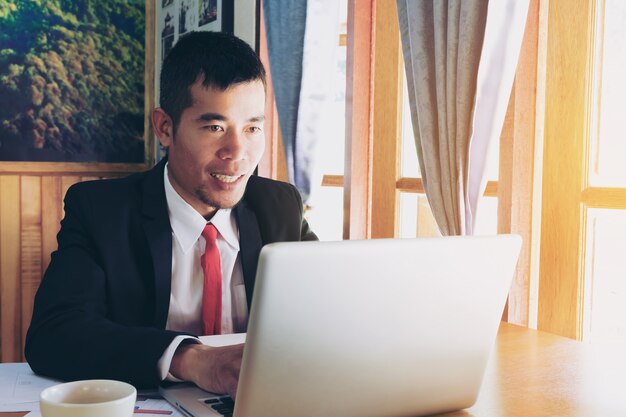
<point x="214" y="369"/>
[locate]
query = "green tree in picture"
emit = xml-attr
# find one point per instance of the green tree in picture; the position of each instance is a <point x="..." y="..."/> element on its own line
<point x="71" y="80"/>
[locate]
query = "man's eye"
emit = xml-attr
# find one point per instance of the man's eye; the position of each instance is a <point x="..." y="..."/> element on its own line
<point x="254" y="129"/>
<point x="213" y="128"/>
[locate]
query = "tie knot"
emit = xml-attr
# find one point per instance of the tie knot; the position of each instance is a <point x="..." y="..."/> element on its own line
<point x="209" y="233"/>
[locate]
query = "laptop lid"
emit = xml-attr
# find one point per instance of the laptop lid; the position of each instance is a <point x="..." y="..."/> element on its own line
<point x="388" y="327"/>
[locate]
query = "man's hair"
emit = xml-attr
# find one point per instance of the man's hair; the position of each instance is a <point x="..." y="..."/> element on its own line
<point x="219" y="59"/>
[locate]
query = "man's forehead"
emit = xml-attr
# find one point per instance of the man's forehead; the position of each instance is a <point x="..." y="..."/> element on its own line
<point x="215" y="104"/>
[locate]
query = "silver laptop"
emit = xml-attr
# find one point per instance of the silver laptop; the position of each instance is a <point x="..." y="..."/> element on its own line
<point x="376" y="328"/>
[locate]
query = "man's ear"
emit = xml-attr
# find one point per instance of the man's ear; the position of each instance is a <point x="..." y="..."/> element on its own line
<point x="163" y="127"/>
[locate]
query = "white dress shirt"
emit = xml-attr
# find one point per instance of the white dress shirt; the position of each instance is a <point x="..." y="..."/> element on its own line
<point x="185" y="311"/>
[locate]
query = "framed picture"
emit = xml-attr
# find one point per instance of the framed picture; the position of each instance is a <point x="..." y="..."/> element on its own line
<point x="177" y="17"/>
<point x="76" y="84"/>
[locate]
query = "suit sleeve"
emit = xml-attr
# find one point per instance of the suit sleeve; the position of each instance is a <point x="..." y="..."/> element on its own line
<point x="70" y="336"/>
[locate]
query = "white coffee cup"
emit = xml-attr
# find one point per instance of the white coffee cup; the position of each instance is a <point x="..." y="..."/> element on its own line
<point x="90" y="398"/>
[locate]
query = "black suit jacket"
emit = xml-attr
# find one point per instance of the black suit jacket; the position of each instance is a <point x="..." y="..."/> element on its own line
<point x="101" y="308"/>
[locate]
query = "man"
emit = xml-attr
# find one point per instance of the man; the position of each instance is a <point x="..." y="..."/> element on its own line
<point x="127" y="288"/>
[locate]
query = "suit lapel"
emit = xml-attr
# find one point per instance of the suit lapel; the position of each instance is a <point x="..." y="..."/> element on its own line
<point x="156" y="224"/>
<point x="250" y="244"/>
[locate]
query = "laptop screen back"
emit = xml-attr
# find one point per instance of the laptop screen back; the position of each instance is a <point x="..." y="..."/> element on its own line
<point x="389" y="327"/>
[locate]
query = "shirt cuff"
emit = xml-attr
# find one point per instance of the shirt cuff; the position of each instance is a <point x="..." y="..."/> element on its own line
<point x="163" y="365"/>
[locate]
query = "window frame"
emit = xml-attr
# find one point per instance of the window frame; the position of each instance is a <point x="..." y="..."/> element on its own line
<point x="372" y="181"/>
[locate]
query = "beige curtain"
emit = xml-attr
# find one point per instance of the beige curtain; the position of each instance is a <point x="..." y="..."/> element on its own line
<point x="460" y="58"/>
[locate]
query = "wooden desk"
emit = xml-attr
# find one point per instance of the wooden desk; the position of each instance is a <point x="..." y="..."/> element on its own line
<point x="537" y="374"/>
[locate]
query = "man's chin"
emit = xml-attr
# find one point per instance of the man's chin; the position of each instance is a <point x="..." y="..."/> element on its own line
<point x="220" y="203"/>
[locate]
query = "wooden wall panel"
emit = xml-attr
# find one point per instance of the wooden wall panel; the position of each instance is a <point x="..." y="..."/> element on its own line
<point x="31" y="246"/>
<point x="66" y="182"/>
<point x="51" y="213"/>
<point x="31" y="209"/>
<point x="10" y="304"/>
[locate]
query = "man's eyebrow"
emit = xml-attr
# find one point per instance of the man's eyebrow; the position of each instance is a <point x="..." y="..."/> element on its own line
<point x="257" y="119"/>
<point x="207" y="117"/>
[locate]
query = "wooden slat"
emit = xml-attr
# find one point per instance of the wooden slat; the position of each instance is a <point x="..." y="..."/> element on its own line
<point x="505" y="179"/>
<point x="492" y="189"/>
<point x="332" y="181"/>
<point x="57" y="168"/>
<point x="51" y="213"/>
<point x="406" y="185"/>
<point x="10" y="300"/>
<point x="516" y="195"/>
<point x="540" y="87"/>
<point x="387" y="119"/>
<point x="410" y="185"/>
<point x="31" y="241"/>
<point x="414" y="185"/>
<point x="505" y="168"/>
<point x="66" y="182"/>
<point x="358" y="162"/>
<point x="343" y="39"/>
<point x="604" y="197"/>
<point x="566" y="133"/>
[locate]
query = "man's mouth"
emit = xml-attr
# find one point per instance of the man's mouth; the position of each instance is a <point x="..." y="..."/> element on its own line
<point x="226" y="178"/>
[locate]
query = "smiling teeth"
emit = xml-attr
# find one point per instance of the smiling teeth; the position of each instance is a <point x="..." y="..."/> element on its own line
<point x="226" y="178"/>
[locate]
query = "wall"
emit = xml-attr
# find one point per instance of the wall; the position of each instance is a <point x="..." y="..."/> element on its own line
<point x="31" y="207"/>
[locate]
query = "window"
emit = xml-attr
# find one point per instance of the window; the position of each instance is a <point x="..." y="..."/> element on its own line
<point x="406" y="210"/>
<point x="605" y="228"/>
<point x="582" y="272"/>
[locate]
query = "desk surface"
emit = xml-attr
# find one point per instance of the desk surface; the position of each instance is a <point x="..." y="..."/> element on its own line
<point x="536" y="374"/>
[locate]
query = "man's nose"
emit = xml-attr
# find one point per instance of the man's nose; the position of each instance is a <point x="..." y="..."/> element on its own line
<point x="233" y="146"/>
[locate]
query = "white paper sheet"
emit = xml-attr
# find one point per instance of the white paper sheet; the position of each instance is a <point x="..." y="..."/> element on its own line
<point x="30" y="406"/>
<point x="18" y="384"/>
<point x="20" y="389"/>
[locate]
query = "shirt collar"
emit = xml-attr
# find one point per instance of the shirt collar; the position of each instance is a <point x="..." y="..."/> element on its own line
<point x="187" y="223"/>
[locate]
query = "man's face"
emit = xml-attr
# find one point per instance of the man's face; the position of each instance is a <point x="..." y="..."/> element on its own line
<point x="217" y="144"/>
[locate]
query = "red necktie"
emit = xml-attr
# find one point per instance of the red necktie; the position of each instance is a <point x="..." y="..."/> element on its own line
<point x="212" y="292"/>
